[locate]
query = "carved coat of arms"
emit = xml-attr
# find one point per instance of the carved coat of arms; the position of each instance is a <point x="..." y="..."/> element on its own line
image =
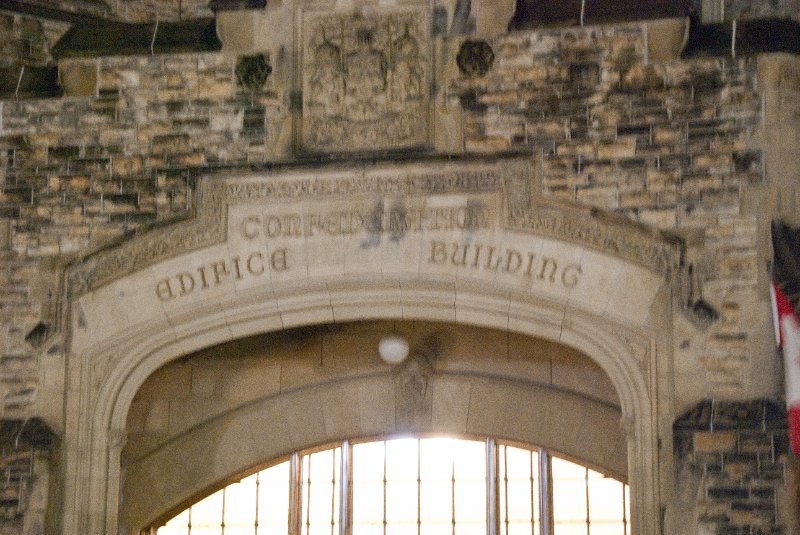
<point x="365" y="79"/>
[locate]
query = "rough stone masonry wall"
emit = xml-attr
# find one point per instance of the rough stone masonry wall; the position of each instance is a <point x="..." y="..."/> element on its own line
<point x="733" y="464"/>
<point x="77" y="173"/>
<point x="667" y="144"/>
<point x="664" y="144"/>
<point x="27" y="40"/>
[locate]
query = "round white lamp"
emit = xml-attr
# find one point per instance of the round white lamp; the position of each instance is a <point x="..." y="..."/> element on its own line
<point x="393" y="349"/>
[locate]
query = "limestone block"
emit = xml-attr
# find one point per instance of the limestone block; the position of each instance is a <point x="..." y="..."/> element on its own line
<point x="666" y="38"/>
<point x="77" y="79"/>
<point x="448" y="133"/>
<point x="714" y="442"/>
<point x="492" y="17"/>
<point x="488" y="144"/>
<point x="235" y="30"/>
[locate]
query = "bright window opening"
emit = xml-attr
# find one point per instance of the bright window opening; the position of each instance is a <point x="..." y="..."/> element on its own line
<point x="414" y="486"/>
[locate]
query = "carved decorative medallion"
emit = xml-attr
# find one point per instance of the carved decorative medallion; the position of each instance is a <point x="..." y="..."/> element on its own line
<point x="365" y="79"/>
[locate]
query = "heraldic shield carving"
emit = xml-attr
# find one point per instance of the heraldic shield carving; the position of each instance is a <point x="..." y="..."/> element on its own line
<point x="366" y="79"/>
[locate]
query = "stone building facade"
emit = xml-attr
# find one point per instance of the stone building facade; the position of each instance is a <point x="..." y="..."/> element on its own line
<point x="197" y="243"/>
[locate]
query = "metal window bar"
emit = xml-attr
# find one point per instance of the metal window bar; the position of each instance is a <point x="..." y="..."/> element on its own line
<point x="295" y="484"/>
<point x="300" y="489"/>
<point x="546" y="524"/>
<point x="419" y="489"/>
<point x="453" y="495"/>
<point x="533" y="496"/>
<point x="586" y="490"/>
<point x="333" y="491"/>
<point x="307" y="490"/>
<point x="385" y="521"/>
<point x="345" y="496"/>
<point x="624" y="510"/>
<point x="258" y="490"/>
<point x="491" y="487"/>
<point x="222" y="517"/>
<point x="505" y="486"/>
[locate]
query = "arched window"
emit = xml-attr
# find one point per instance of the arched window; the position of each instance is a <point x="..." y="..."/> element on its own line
<point x="414" y="486"/>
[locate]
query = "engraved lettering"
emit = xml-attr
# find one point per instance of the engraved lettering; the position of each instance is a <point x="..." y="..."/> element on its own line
<point x="278" y="260"/>
<point x="203" y="283"/>
<point x="489" y="259"/>
<point x="250" y="226"/>
<point x="236" y="268"/>
<point x="548" y="262"/>
<point x="455" y="258"/>
<point x="220" y="270"/>
<point x="260" y="267"/>
<point x="512" y="258"/>
<point x="571" y="275"/>
<point x="477" y="256"/>
<point x="531" y="257"/>
<point x="438" y="252"/>
<point x="274" y="226"/>
<point x="164" y="290"/>
<point x="186" y="287"/>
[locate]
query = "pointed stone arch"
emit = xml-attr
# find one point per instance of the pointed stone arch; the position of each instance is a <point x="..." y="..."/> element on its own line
<point x="467" y="242"/>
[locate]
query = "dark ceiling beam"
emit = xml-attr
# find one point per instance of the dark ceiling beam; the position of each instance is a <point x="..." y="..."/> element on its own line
<point x="42" y="11"/>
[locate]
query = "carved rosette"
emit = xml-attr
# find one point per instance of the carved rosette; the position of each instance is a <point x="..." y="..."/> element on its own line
<point x="366" y="79"/>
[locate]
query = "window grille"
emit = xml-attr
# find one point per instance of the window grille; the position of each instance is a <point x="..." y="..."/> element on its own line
<point x="414" y="486"/>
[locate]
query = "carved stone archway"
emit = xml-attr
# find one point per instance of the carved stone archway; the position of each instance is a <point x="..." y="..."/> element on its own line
<point x="467" y="242"/>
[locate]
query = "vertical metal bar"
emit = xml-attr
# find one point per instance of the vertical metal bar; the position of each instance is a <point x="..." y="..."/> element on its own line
<point x="258" y="488"/>
<point x="624" y="511"/>
<point x="533" y="483"/>
<point x="491" y="487"/>
<point x="307" y="492"/>
<point x="419" y="487"/>
<point x="586" y="486"/>
<point x="344" y="488"/>
<point x="333" y="489"/>
<point x="295" y="499"/>
<point x="453" y="497"/>
<point x="545" y="494"/>
<point x="385" y="482"/>
<point x="222" y="520"/>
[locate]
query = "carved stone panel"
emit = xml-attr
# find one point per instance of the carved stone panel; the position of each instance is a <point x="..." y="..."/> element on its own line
<point x="365" y="79"/>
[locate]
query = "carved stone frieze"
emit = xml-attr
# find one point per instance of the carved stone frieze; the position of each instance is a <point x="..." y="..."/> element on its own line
<point x="579" y="227"/>
<point x="205" y="228"/>
<point x="366" y="79"/>
<point x="512" y="179"/>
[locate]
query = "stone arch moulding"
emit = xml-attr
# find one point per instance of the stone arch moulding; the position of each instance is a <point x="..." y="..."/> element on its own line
<point x="365" y="406"/>
<point x="466" y="241"/>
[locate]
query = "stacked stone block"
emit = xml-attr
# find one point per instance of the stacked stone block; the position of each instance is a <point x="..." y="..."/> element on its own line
<point x="734" y="9"/>
<point x="739" y="451"/>
<point x="24" y="457"/>
<point x="80" y="172"/>
<point x="653" y="141"/>
<point x="27" y="40"/>
<point x="672" y="145"/>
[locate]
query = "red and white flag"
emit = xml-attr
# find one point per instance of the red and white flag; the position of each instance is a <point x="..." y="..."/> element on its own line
<point x="785" y="305"/>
